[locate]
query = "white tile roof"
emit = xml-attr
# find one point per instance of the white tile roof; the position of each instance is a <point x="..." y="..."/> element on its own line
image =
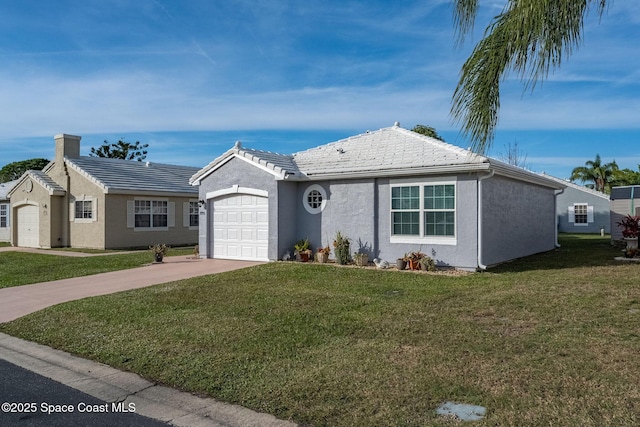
<point x="115" y="175"/>
<point x="387" y="149"/>
<point x="576" y="186"/>
<point x="391" y="151"/>
<point x="45" y="181"/>
<point x="5" y="187"/>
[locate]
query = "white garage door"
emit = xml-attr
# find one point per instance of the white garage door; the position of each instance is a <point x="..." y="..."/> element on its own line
<point x="241" y="227"/>
<point x="28" y="227"/>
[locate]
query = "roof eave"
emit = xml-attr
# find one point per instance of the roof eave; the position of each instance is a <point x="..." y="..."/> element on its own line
<point x="424" y="170"/>
<point x="524" y="175"/>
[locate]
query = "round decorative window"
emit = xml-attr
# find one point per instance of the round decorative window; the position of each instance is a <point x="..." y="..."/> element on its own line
<point x="314" y="199"/>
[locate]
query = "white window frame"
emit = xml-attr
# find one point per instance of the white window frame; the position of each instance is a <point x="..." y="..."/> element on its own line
<point x="318" y="191"/>
<point x="4" y="215"/>
<point x="83" y="199"/>
<point x="190" y="209"/>
<point x="421" y="238"/>
<point x="131" y="213"/>
<point x="572" y="215"/>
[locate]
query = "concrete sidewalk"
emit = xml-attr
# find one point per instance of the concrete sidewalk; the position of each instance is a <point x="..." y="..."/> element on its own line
<point x="19" y="301"/>
<point x="111" y="385"/>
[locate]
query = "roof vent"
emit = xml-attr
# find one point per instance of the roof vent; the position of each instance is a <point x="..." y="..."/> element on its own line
<point x="148" y="164"/>
<point x="396" y="125"/>
<point x="340" y="150"/>
<point x="238" y="144"/>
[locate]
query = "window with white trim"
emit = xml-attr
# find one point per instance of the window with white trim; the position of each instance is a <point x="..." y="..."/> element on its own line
<point x="580" y="214"/>
<point x="4" y="215"/>
<point x="151" y="214"/>
<point x="194" y="214"/>
<point x="314" y="199"/>
<point x="423" y="210"/>
<point x="84" y="209"/>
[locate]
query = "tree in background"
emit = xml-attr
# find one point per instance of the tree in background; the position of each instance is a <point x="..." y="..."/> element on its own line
<point x="428" y="131"/>
<point x="602" y="175"/>
<point x="529" y="37"/>
<point x="15" y="170"/>
<point x="626" y="177"/>
<point x="514" y="156"/>
<point x="121" y="150"/>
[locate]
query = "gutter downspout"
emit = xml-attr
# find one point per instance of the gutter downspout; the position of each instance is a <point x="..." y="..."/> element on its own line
<point x="556" y="193"/>
<point x="481" y="266"/>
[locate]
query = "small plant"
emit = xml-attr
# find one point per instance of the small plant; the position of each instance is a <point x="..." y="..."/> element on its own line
<point x="322" y="254"/>
<point x="413" y="258"/>
<point x="630" y="226"/>
<point x="427" y="264"/>
<point x="302" y="249"/>
<point x="325" y="250"/>
<point x="159" y="248"/>
<point x="341" y="247"/>
<point x="361" y="259"/>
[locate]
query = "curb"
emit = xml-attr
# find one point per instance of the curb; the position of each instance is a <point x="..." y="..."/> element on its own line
<point x="112" y="385"/>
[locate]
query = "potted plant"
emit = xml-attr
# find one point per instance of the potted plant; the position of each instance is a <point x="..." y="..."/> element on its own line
<point x="159" y="250"/>
<point x="401" y="263"/>
<point x="361" y="259"/>
<point x="630" y="232"/>
<point x="414" y="260"/>
<point x="302" y="249"/>
<point x="427" y="264"/>
<point x="322" y="255"/>
<point x="341" y="247"/>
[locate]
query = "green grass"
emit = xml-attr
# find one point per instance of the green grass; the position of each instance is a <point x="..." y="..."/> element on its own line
<point x="4" y="244"/>
<point x="22" y="268"/>
<point x="553" y="339"/>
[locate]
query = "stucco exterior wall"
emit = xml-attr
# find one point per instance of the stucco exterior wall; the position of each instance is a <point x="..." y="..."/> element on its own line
<point x="119" y="235"/>
<point x="350" y="209"/>
<point x="240" y="173"/>
<point x="601" y="213"/>
<point x="86" y="233"/>
<point x="287" y="210"/>
<point x="462" y="254"/>
<point x="518" y="219"/>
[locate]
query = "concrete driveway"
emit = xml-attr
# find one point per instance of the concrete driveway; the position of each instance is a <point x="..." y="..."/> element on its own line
<point x="19" y="301"/>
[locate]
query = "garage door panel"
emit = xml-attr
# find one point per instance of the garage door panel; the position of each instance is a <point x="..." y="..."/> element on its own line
<point x="28" y="226"/>
<point x="240" y="227"/>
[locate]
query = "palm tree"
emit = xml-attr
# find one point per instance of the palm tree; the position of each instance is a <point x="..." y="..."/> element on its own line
<point x="594" y="171"/>
<point x="529" y="37"/>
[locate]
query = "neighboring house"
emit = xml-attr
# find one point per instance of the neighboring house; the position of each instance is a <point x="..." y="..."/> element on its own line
<point x="5" y="211"/>
<point x="391" y="191"/>
<point x="93" y="202"/>
<point x="624" y="201"/>
<point x="581" y="209"/>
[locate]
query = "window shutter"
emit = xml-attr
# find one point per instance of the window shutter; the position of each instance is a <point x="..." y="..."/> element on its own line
<point x="589" y="214"/>
<point x="185" y="214"/>
<point x="8" y="215"/>
<point x="572" y="215"/>
<point x="72" y="211"/>
<point x="171" y="220"/>
<point x="131" y="222"/>
<point x="94" y="209"/>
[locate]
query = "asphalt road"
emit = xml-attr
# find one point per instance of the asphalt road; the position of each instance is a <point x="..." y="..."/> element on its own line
<point x="29" y="399"/>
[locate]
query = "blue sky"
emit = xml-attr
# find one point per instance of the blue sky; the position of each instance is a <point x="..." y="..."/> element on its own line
<point x="190" y="78"/>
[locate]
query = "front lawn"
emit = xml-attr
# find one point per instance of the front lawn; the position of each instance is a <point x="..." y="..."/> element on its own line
<point x="22" y="268"/>
<point x="550" y="340"/>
